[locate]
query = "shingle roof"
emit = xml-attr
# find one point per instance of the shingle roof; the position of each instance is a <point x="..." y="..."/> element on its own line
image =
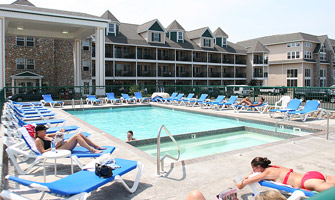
<point x="144" y="27"/>
<point x="23" y="2"/>
<point x="175" y="26"/>
<point x="283" y="38"/>
<point x="22" y="5"/>
<point x="220" y="32"/>
<point x="196" y="33"/>
<point x="109" y="15"/>
<point x="332" y="42"/>
<point x="129" y="35"/>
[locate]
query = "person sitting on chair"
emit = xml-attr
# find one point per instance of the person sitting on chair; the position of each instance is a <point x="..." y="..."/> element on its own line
<point x="43" y="141"/>
<point x="312" y="180"/>
<point x="248" y="102"/>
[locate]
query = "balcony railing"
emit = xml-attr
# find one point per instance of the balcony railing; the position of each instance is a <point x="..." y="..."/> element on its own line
<point x="214" y="74"/>
<point x="161" y="57"/>
<point x="258" y="75"/>
<point x="241" y="62"/>
<point x="124" y="73"/>
<point x="227" y="61"/>
<point x="214" y="60"/>
<point x="109" y="73"/>
<point x="166" y="74"/>
<point x="260" y="62"/>
<point x="199" y="74"/>
<point x="146" y="73"/>
<point x="183" y="74"/>
<point x="199" y="60"/>
<point x="228" y="75"/>
<point x="184" y="58"/>
<point x="120" y="55"/>
<point x="108" y="54"/>
<point x="241" y="75"/>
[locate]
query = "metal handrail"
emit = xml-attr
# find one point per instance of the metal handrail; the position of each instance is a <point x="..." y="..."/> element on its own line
<point x="160" y="161"/>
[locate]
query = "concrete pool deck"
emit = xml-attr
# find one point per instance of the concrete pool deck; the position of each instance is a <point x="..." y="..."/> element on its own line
<point x="210" y="174"/>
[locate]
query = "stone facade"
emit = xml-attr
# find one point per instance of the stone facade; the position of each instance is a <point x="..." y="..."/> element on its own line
<point x="316" y="71"/>
<point x="86" y="55"/>
<point x="53" y="60"/>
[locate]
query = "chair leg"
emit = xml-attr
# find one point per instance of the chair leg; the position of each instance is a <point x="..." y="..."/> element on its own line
<point x="118" y="178"/>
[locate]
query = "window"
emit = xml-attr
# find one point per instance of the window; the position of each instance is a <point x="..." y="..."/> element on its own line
<point x="323" y="53"/>
<point x="19" y="41"/>
<point x="146" y="68"/>
<point x="19" y="63"/>
<point x="288" y="55"/>
<point x="224" y="41"/>
<point x="297" y="54"/>
<point x="86" y="45"/>
<point x="292" y="77"/>
<point x="30" y="41"/>
<point x="156" y="37"/>
<point x="288" y="45"/>
<point x="293" y="44"/>
<point x="180" y="36"/>
<point x="307" y="77"/>
<point x="207" y="42"/>
<point x="86" y="66"/>
<point x="30" y="63"/>
<point x="165" y="68"/>
<point x="293" y="54"/>
<point x="307" y="54"/>
<point x="323" y="77"/>
<point x="111" y="28"/>
<point x="307" y="44"/>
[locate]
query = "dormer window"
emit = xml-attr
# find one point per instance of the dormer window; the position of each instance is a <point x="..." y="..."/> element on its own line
<point x="207" y="42"/>
<point x="111" y="28"/>
<point x="156" y="37"/>
<point x="224" y="41"/>
<point x="180" y="36"/>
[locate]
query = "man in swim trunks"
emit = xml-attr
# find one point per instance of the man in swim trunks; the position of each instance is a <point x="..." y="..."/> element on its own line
<point x="311" y="180"/>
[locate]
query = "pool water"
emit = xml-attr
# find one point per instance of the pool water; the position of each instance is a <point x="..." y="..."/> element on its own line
<point x="209" y="145"/>
<point x="145" y="121"/>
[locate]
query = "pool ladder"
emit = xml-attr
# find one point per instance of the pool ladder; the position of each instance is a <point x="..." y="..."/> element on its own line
<point x="160" y="161"/>
<point x="81" y="104"/>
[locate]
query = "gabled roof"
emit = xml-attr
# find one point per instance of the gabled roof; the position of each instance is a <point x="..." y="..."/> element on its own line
<point x="109" y="15"/>
<point x="175" y="26"/>
<point x="146" y="26"/>
<point x="23" y="2"/>
<point x="198" y="33"/>
<point x="26" y="6"/>
<point x="27" y="73"/>
<point x="220" y="32"/>
<point x="128" y="35"/>
<point x="284" y="38"/>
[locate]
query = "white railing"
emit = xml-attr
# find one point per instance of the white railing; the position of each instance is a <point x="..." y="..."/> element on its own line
<point x="160" y="161"/>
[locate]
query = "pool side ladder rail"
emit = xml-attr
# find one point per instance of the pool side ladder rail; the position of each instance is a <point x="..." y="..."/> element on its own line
<point x="160" y="161"/>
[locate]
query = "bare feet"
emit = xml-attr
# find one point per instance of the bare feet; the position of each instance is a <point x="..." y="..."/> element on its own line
<point x="95" y="151"/>
<point x="100" y="148"/>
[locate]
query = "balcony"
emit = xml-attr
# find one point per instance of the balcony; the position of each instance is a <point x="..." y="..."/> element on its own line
<point x="183" y="74"/>
<point x="184" y="58"/>
<point x="241" y="75"/>
<point x="146" y="73"/>
<point x="162" y="57"/>
<point x="228" y="75"/>
<point x="258" y="75"/>
<point x="214" y="60"/>
<point x="199" y="74"/>
<point x="166" y="74"/>
<point x="199" y="59"/>
<point x="227" y="61"/>
<point x="214" y="74"/>
<point x="120" y="55"/>
<point x="124" y="73"/>
<point x="261" y="62"/>
<point x="108" y="54"/>
<point x="241" y="62"/>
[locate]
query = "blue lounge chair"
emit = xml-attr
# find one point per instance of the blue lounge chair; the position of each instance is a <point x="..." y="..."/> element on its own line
<point x="260" y="108"/>
<point x="17" y="152"/>
<point x="47" y="99"/>
<point x="184" y="101"/>
<point x="127" y="98"/>
<point x="311" y="106"/>
<point x="44" y="122"/>
<point x="179" y="96"/>
<point x="166" y="100"/>
<point x="285" y="188"/>
<point x="27" y="104"/>
<point x="111" y="98"/>
<point x="138" y="96"/>
<point x="199" y="101"/>
<point x="218" y="100"/>
<point x="293" y="105"/>
<point x="229" y="103"/>
<point x="93" y="100"/>
<point x="32" y="114"/>
<point x="80" y="184"/>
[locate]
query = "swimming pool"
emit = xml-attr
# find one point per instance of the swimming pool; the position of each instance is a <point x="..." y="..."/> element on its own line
<point x="145" y="121"/>
<point x="209" y="145"/>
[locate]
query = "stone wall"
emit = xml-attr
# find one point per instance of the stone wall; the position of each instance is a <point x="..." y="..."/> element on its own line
<point x="64" y="67"/>
<point x="316" y="70"/>
<point x="86" y="56"/>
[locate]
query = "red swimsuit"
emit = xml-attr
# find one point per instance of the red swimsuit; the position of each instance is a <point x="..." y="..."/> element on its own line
<point x="287" y="175"/>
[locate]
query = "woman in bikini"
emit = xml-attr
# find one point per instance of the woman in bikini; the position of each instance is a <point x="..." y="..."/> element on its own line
<point x="248" y="102"/>
<point x="312" y="180"/>
<point x="43" y="141"/>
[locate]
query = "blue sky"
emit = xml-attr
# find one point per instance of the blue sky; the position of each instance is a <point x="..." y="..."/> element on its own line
<point x="240" y="19"/>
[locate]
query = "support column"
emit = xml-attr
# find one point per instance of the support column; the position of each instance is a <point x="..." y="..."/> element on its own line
<point x="316" y="70"/>
<point x="2" y="53"/>
<point x="330" y="68"/>
<point x="77" y="64"/>
<point x="100" y="61"/>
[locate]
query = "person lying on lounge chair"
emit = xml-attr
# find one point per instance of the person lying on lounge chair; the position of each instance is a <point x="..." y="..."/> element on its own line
<point x="43" y="141"/>
<point x="248" y="102"/>
<point x="312" y="180"/>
